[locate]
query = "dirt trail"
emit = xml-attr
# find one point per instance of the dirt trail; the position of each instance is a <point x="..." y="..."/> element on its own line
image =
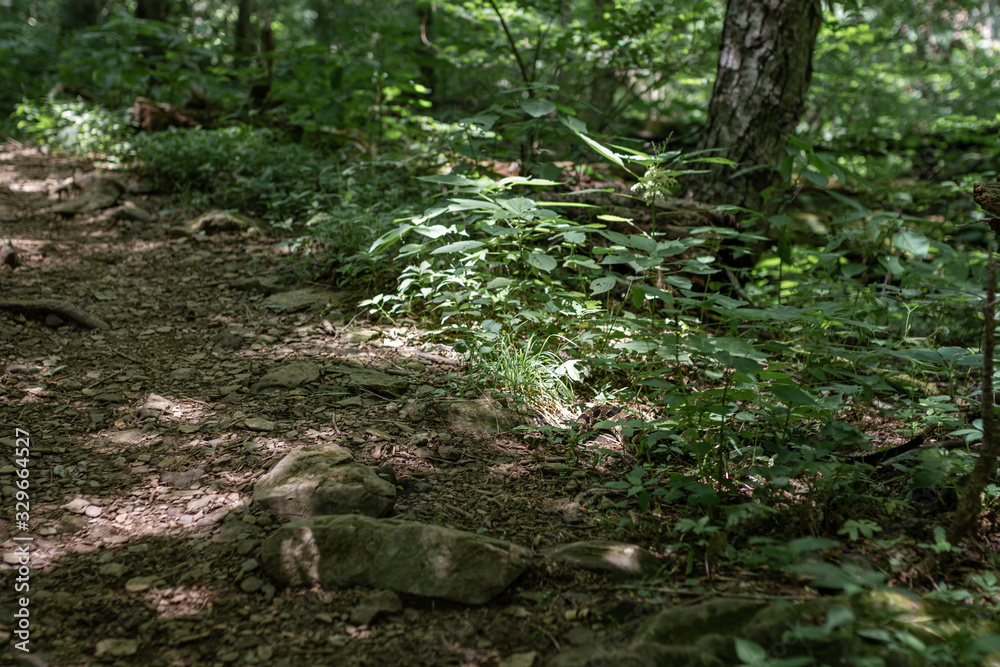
<point x="146" y="440"/>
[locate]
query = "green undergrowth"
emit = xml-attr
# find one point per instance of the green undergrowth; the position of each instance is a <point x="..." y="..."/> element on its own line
<point x="757" y="396"/>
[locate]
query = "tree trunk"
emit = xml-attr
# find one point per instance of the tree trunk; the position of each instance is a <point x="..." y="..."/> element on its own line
<point x="154" y="10"/>
<point x="605" y="82"/>
<point x="79" y="14"/>
<point x="244" y="30"/>
<point x="967" y="515"/>
<point x="765" y="64"/>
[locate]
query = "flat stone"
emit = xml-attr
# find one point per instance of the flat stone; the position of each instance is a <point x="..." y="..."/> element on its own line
<point x="621" y="560"/>
<point x="303" y="299"/>
<point x="402" y="556"/>
<point x="258" y="424"/>
<point x="182" y="479"/>
<point x="481" y="416"/>
<point x="323" y="479"/>
<point x="289" y="376"/>
<point x="377" y="382"/>
<point x="77" y="505"/>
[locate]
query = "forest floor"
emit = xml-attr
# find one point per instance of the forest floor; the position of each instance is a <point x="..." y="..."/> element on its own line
<point x="146" y="440"/>
<point x="147" y="437"/>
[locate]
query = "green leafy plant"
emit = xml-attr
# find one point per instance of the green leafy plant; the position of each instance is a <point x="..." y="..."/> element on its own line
<point x="75" y="127"/>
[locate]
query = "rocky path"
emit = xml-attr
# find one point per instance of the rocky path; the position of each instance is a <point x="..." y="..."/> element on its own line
<point x="147" y="439"/>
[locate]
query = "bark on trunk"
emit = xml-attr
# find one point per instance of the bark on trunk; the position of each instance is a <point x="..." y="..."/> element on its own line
<point x="244" y="29"/>
<point x="79" y="14"/>
<point x="155" y="10"/>
<point x="765" y="64"/>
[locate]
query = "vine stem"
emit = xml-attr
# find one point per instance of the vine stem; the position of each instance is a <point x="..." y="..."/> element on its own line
<point x="513" y="46"/>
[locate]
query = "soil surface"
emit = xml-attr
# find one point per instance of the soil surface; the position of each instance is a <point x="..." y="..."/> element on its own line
<point x="146" y="439"/>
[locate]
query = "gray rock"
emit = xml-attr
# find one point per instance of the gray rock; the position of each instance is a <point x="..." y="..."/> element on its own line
<point x="402" y="556"/>
<point x="226" y="340"/>
<point x="526" y="659"/>
<point x="221" y="221"/>
<point x="96" y="190"/>
<point x="266" y="284"/>
<point x="323" y="479"/>
<point x="621" y="560"/>
<point x="379" y="602"/>
<point x="413" y="411"/>
<point x="359" y="335"/>
<point x="77" y="505"/>
<point x="154" y="405"/>
<point x="374" y="381"/>
<point x="478" y="417"/>
<point x="130" y="212"/>
<point x="259" y="424"/>
<point x="351" y="402"/>
<point x="303" y="299"/>
<point x="679" y="636"/>
<point x="182" y="479"/>
<point x="183" y="374"/>
<point x="251" y="585"/>
<point x="289" y="376"/>
<point x="116" y="648"/>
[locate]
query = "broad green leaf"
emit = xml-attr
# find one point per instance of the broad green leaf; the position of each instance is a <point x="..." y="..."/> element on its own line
<point x="780" y="220"/>
<point x="541" y="261"/>
<point x="433" y="231"/>
<point x="459" y="204"/>
<point x="713" y="160"/>
<point x="749" y="653"/>
<point x="615" y="237"/>
<point x="741" y="364"/>
<point x="986" y="644"/>
<point x="811" y="544"/>
<point x="618" y="259"/>
<point x="953" y="354"/>
<point x="799" y="143"/>
<point x="447" y="179"/>
<point x="850" y="201"/>
<point x="792" y="395"/>
<point x="461" y="246"/>
<point x="537" y="108"/>
<point x="574" y="123"/>
<point x="922" y="354"/>
<point x="517" y="205"/>
<point x="524" y="180"/>
<point x="640" y="346"/>
<point x="817" y="179"/>
<point x="678" y="281"/>
<point x="484" y="120"/>
<point x="602" y="285"/>
<point x="916" y="244"/>
<point x="670" y="248"/>
<point x="643" y="243"/>
<point x="601" y="149"/>
<point x="837" y="616"/>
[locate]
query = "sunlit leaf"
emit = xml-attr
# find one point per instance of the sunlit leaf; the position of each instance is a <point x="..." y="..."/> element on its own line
<point x="916" y="244"/>
<point x="460" y="246"/>
<point x="537" y="108"/>
<point x="541" y="261"/>
<point x="602" y="285"/>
